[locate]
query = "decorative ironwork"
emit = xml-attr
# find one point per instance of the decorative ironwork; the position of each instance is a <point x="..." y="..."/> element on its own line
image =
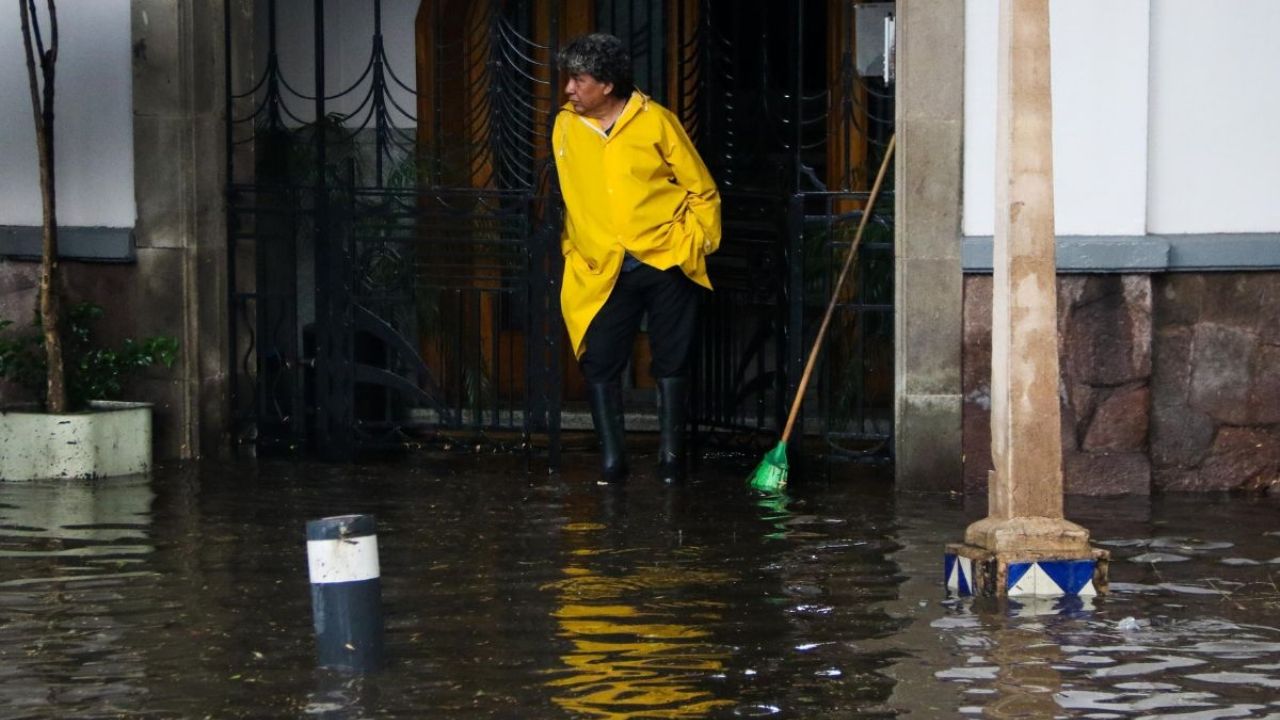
<point x="793" y="137"/>
<point x="395" y="239"/>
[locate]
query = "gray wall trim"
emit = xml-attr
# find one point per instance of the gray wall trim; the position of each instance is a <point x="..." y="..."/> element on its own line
<point x="1147" y="253"/>
<point x="93" y="244"/>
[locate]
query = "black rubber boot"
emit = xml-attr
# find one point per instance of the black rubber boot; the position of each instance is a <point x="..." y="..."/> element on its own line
<point x="606" y="415"/>
<point x="673" y="396"/>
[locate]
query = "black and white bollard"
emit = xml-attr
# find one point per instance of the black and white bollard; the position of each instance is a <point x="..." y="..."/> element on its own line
<point x="346" y="591"/>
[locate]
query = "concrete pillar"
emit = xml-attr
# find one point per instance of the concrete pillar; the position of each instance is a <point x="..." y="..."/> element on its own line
<point x="929" y="292"/>
<point x="1026" y="433"/>
<point x="178" y="83"/>
<point x="1025" y="534"/>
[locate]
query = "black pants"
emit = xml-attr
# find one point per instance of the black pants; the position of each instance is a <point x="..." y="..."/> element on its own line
<point x="670" y="298"/>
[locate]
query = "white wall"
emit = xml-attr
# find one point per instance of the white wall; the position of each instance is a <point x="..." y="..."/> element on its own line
<point x="348" y="46"/>
<point x="1100" y="74"/>
<point x="1166" y="116"/>
<point x="1215" y="116"/>
<point x="93" y="118"/>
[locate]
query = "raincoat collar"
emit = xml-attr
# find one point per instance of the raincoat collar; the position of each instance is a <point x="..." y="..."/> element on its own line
<point x="637" y="103"/>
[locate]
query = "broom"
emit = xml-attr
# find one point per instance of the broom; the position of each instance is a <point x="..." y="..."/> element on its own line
<point x="770" y="475"/>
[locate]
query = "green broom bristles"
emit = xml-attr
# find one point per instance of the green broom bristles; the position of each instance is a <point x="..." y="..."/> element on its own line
<point x="770" y="475"/>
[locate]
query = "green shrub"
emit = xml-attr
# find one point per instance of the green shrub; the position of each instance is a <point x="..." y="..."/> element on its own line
<point x="93" y="372"/>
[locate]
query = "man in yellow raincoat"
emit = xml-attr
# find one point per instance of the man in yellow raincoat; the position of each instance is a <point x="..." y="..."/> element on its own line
<point x="641" y="215"/>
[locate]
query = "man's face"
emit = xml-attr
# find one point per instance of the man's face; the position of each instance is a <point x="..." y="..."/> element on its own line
<point x="589" y="96"/>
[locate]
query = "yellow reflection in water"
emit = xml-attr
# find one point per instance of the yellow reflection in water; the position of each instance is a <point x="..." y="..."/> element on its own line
<point x="641" y="660"/>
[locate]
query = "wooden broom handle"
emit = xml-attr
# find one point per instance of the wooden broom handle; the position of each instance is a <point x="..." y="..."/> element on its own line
<point x="835" y="295"/>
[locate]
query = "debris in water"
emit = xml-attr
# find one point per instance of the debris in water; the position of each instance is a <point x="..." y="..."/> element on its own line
<point x="1155" y="557"/>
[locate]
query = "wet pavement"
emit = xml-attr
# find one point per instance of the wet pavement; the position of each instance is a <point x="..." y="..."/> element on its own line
<point x="517" y="595"/>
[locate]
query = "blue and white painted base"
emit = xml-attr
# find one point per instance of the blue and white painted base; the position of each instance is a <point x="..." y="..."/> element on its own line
<point x="968" y="570"/>
<point x="1050" y="578"/>
<point x="959" y="573"/>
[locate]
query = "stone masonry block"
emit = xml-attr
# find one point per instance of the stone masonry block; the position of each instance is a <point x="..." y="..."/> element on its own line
<point x="1180" y="297"/>
<point x="1102" y="474"/>
<point x="929" y="172"/>
<point x="1070" y="290"/>
<point x="1079" y="405"/>
<point x="927" y="434"/>
<point x="207" y="55"/>
<point x="1269" y="315"/>
<point x="1220" y="372"/>
<point x="1180" y="439"/>
<point x="976" y="441"/>
<point x="19" y="286"/>
<point x="1180" y="436"/>
<point x="1120" y="422"/>
<point x="1171" y="369"/>
<point x="157" y="63"/>
<point x="1176" y="479"/>
<point x="1234" y="299"/>
<point x="931" y="316"/>
<point x="1264" y="395"/>
<point x="163" y="176"/>
<point x="1107" y="338"/>
<point x="931" y="65"/>
<point x="1241" y="457"/>
<point x="977" y="333"/>
<point x="1140" y="312"/>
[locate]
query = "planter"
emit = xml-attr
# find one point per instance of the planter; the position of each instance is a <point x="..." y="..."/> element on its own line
<point x="112" y="438"/>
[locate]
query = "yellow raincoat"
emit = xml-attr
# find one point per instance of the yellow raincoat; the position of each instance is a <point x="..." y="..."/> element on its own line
<point x="641" y="189"/>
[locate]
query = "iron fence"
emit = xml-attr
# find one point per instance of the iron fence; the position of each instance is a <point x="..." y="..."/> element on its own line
<point x="394" y="239"/>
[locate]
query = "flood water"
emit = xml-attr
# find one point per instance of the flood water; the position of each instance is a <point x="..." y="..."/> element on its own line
<point x="510" y="594"/>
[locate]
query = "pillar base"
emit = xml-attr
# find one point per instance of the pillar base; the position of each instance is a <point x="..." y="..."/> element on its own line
<point x="1029" y="536"/>
<point x="972" y="570"/>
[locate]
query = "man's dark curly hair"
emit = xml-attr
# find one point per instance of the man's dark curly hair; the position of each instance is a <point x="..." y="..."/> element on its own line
<point x="603" y="57"/>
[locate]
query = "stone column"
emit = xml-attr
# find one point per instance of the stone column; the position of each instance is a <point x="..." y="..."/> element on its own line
<point x="928" y="298"/>
<point x="1025" y="546"/>
<point x="179" y="161"/>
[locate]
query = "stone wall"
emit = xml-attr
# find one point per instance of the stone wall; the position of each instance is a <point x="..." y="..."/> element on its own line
<point x="1168" y="382"/>
<point x="1215" y="421"/>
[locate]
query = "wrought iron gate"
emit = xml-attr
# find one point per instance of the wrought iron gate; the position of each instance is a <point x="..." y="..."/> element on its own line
<point x="395" y="247"/>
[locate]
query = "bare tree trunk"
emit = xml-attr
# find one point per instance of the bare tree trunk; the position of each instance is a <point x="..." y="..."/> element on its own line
<point x="42" y="109"/>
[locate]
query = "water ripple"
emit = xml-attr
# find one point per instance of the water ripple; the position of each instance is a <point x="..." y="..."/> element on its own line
<point x="509" y="594"/>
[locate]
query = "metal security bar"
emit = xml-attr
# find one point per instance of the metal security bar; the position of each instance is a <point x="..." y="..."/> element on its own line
<point x="382" y="300"/>
<point x="793" y="137"/>
<point x="741" y="365"/>
<point x="854" y="398"/>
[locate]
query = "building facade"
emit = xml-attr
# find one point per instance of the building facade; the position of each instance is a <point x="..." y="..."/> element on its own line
<point x="1168" y="244"/>
<point x="140" y="171"/>
<point x="1169" y="247"/>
